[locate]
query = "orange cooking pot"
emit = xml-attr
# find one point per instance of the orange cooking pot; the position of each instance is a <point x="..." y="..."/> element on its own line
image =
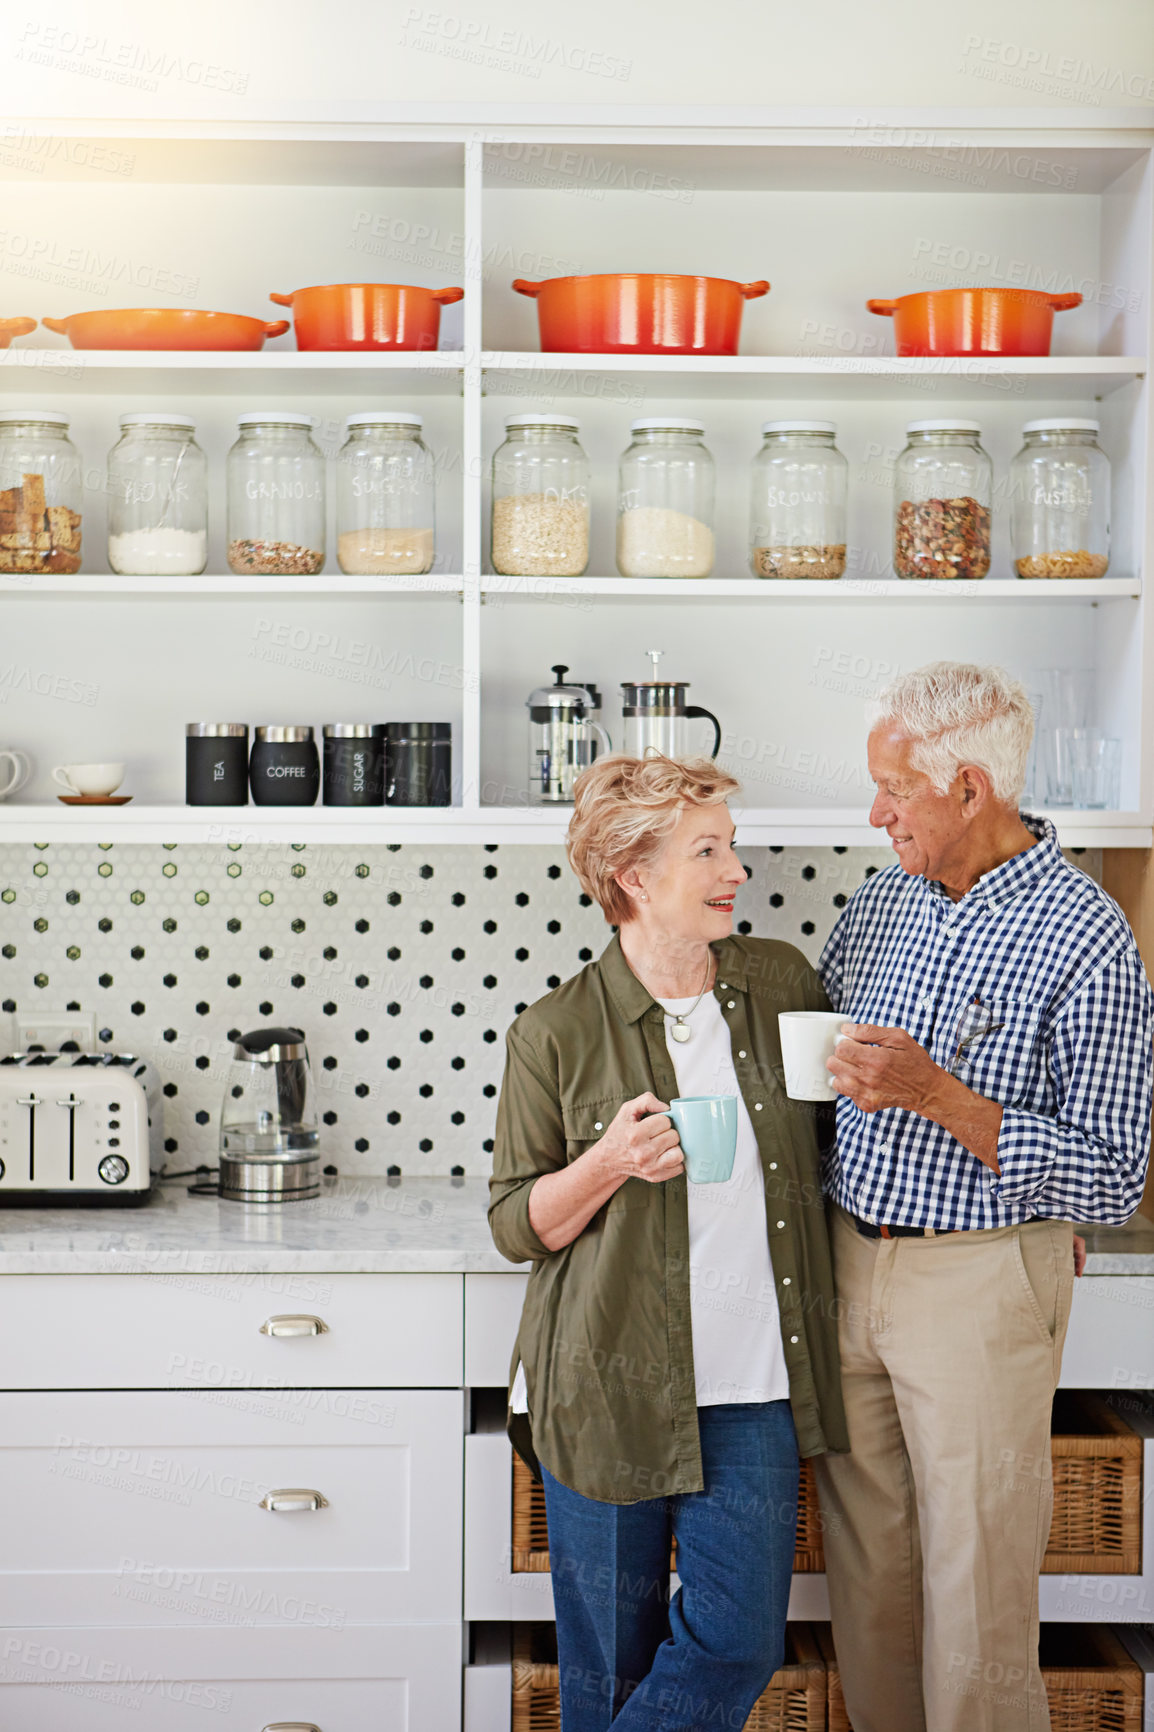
<point x="164" y="328"/>
<point x="629" y="314"/>
<point x="367" y="315"/>
<point x="974" y="321"/>
<point x="10" y="328"/>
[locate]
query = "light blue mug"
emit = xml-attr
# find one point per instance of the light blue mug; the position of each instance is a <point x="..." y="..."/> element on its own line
<point x="707" y="1126"/>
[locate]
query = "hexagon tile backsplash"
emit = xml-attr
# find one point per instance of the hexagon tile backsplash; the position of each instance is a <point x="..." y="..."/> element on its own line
<point x="403" y="964"/>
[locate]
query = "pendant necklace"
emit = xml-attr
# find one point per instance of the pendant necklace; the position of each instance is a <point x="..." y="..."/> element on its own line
<point x="679" y="1029"/>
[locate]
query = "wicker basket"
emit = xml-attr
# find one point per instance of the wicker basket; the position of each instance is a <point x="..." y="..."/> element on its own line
<point x="793" y="1700"/>
<point x="530" y="1541"/>
<point x="1092" y="1683"/>
<point x="838" y="1720"/>
<point x="1097" y="1525"/>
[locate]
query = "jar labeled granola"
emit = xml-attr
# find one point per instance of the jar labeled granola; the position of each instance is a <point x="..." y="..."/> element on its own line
<point x="1060" y="501"/>
<point x="944" y="483"/>
<point x="384" y="495"/>
<point x="540" y="499"/>
<point x="276" y="496"/>
<point x="797" y="504"/>
<point x="40" y="484"/>
<point x="665" y="500"/>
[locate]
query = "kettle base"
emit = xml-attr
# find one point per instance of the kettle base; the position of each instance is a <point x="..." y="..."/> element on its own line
<point x="263" y="1179"/>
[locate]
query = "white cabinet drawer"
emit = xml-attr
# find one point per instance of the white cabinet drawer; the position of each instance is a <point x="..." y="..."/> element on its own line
<point x="492" y="1589"/>
<point x="204" y="1331"/>
<point x="492" y="1317"/>
<point x="145" y="1509"/>
<point x="403" y="1679"/>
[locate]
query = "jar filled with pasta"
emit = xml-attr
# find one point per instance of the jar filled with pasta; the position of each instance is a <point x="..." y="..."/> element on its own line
<point x="1060" y="501"/>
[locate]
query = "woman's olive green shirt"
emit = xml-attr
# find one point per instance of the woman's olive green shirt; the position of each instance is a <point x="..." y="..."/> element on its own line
<point x="606" y="1338"/>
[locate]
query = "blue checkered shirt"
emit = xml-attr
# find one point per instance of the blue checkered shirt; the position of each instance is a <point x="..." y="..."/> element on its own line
<point x="1054" y="967"/>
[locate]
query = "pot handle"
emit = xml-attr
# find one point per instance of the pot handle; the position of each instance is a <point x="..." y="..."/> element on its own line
<point x="447" y="296"/>
<point x="707" y="715"/>
<point x="886" y="308"/>
<point x="276" y="327"/>
<point x="1063" y="303"/>
<point x="60" y="325"/>
<point x="524" y="288"/>
<point x="282" y="300"/>
<point x="752" y="291"/>
<point x="17" y="327"/>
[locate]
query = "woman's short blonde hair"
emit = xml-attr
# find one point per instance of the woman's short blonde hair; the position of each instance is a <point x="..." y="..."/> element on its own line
<point x="624" y="812"/>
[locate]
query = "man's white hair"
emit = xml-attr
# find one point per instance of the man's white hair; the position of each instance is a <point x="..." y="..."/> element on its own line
<point x="958" y="713"/>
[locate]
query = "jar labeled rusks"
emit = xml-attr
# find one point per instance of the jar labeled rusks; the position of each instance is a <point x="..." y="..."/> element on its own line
<point x="540" y="499"/>
<point x="40" y="484"/>
<point x="665" y="493"/>
<point x="798" y="502"/>
<point x="944" y="483"/>
<point x="1060" y="501"/>
<point x="384" y="496"/>
<point x="276" y="496"/>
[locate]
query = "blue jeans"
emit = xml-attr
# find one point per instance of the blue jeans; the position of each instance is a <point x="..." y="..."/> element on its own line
<point x="631" y="1657"/>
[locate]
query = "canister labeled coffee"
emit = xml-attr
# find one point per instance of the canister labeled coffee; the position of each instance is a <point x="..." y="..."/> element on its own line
<point x="216" y="764"/>
<point x="354" y="769"/>
<point x="284" y="769"/>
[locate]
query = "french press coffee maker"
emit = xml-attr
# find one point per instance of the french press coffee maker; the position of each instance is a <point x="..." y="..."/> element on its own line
<point x="654" y="715"/>
<point x="563" y="740"/>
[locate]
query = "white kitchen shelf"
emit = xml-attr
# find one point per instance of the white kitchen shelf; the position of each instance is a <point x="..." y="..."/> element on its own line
<point x="843" y="590"/>
<point x="227" y="371"/>
<point x="14" y="587"/>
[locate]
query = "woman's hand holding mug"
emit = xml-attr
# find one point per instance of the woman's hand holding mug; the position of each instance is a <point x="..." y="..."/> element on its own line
<point x="641" y="1143"/>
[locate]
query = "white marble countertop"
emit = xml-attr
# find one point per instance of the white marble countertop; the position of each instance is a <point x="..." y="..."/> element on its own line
<point x="357" y="1226"/>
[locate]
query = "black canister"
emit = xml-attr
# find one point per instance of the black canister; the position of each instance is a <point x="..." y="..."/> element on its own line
<point x="354" y="764"/>
<point x="216" y="764"/>
<point x="284" y="769"/>
<point x="418" y="763"/>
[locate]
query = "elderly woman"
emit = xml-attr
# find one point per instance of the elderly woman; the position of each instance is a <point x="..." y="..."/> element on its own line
<point x="678" y="1342"/>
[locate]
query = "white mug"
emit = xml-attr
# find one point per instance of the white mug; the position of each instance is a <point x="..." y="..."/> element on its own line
<point x="21" y="770"/>
<point x="808" y="1038"/>
<point x="95" y="780"/>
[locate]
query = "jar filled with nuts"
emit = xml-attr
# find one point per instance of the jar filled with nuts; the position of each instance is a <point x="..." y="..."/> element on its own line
<point x="540" y="499"/>
<point x="944" y="482"/>
<point x="1060" y="501"/>
<point x="276" y="496"/>
<point x="797" y="505"/>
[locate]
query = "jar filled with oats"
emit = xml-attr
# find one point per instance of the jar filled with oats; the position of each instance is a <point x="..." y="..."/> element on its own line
<point x="275" y="484"/>
<point x="540" y="499"/>
<point x="944" y="483"/>
<point x="1060" y="500"/>
<point x="384" y="495"/>
<point x="797" y="503"/>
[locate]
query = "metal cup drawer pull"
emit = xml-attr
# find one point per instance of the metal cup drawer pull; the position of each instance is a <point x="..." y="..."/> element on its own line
<point x="290" y="1726"/>
<point x="292" y="1498"/>
<point x="291" y="1325"/>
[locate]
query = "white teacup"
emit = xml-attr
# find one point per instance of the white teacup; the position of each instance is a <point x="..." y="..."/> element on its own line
<point x="21" y="770"/>
<point x="95" y="780"/>
<point x="808" y="1038"/>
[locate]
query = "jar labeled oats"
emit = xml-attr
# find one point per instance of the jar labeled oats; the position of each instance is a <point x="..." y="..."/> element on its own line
<point x="540" y="499"/>
<point x="276" y="496"/>
<point x="384" y="495"/>
<point x="1060" y="501"/>
<point x="944" y="483"/>
<point x="797" y="505"/>
<point x="665" y="500"/>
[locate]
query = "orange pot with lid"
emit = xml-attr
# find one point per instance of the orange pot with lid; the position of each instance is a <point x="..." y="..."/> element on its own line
<point x="164" y="328"/>
<point x="367" y="315"/>
<point x="10" y="328"/>
<point x="627" y="313"/>
<point x="974" y="321"/>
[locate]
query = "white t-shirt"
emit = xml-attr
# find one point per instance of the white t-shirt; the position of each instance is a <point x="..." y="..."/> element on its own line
<point x="737" y="1351"/>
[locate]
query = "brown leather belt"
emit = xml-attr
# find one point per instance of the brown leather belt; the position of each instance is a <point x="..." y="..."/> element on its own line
<point x="874" y="1230"/>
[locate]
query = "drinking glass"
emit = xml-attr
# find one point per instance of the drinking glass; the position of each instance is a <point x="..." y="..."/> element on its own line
<point x="1095" y="766"/>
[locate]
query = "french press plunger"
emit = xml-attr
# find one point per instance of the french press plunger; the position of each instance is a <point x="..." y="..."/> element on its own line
<point x="563" y="740"/>
<point x="654" y="714"/>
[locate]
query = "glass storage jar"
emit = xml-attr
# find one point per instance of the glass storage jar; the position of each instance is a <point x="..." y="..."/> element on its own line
<point x="540" y="499"/>
<point x="157" y="497"/>
<point x="665" y="487"/>
<point x="797" y="502"/>
<point x="276" y="496"/>
<point x="40" y="488"/>
<point x="1060" y="501"/>
<point x="943" y="483"/>
<point x="385" y="488"/>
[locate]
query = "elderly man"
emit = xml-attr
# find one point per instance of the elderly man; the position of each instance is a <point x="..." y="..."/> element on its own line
<point x="996" y="1086"/>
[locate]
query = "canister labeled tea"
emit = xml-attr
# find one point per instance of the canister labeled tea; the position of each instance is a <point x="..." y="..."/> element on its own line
<point x="216" y="764"/>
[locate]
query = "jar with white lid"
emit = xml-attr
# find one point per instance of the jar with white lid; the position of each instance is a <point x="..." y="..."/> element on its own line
<point x="943" y="486"/>
<point x="385" y="495"/>
<point x="40" y="493"/>
<point x="798" y="502"/>
<point x="1060" y="500"/>
<point x="540" y="499"/>
<point x="276" y="496"/>
<point x="157" y="497"/>
<point x="665" y="488"/>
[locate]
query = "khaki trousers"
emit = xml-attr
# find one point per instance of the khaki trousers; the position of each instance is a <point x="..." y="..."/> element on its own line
<point x="935" y="1524"/>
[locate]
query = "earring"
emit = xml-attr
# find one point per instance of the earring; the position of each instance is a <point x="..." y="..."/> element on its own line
<point x="645" y="896"/>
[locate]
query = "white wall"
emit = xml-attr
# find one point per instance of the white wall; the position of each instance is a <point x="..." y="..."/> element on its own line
<point x="135" y="58"/>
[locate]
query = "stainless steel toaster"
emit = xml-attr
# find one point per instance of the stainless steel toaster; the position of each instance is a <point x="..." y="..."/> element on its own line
<point x="78" y="1129"/>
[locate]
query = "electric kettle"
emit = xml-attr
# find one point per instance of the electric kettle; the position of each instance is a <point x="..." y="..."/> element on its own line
<point x="655" y="715"/>
<point x="269" y="1143"/>
<point x="563" y="740"/>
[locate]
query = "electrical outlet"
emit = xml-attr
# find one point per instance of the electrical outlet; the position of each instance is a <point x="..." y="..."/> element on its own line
<point x="53" y="1032"/>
